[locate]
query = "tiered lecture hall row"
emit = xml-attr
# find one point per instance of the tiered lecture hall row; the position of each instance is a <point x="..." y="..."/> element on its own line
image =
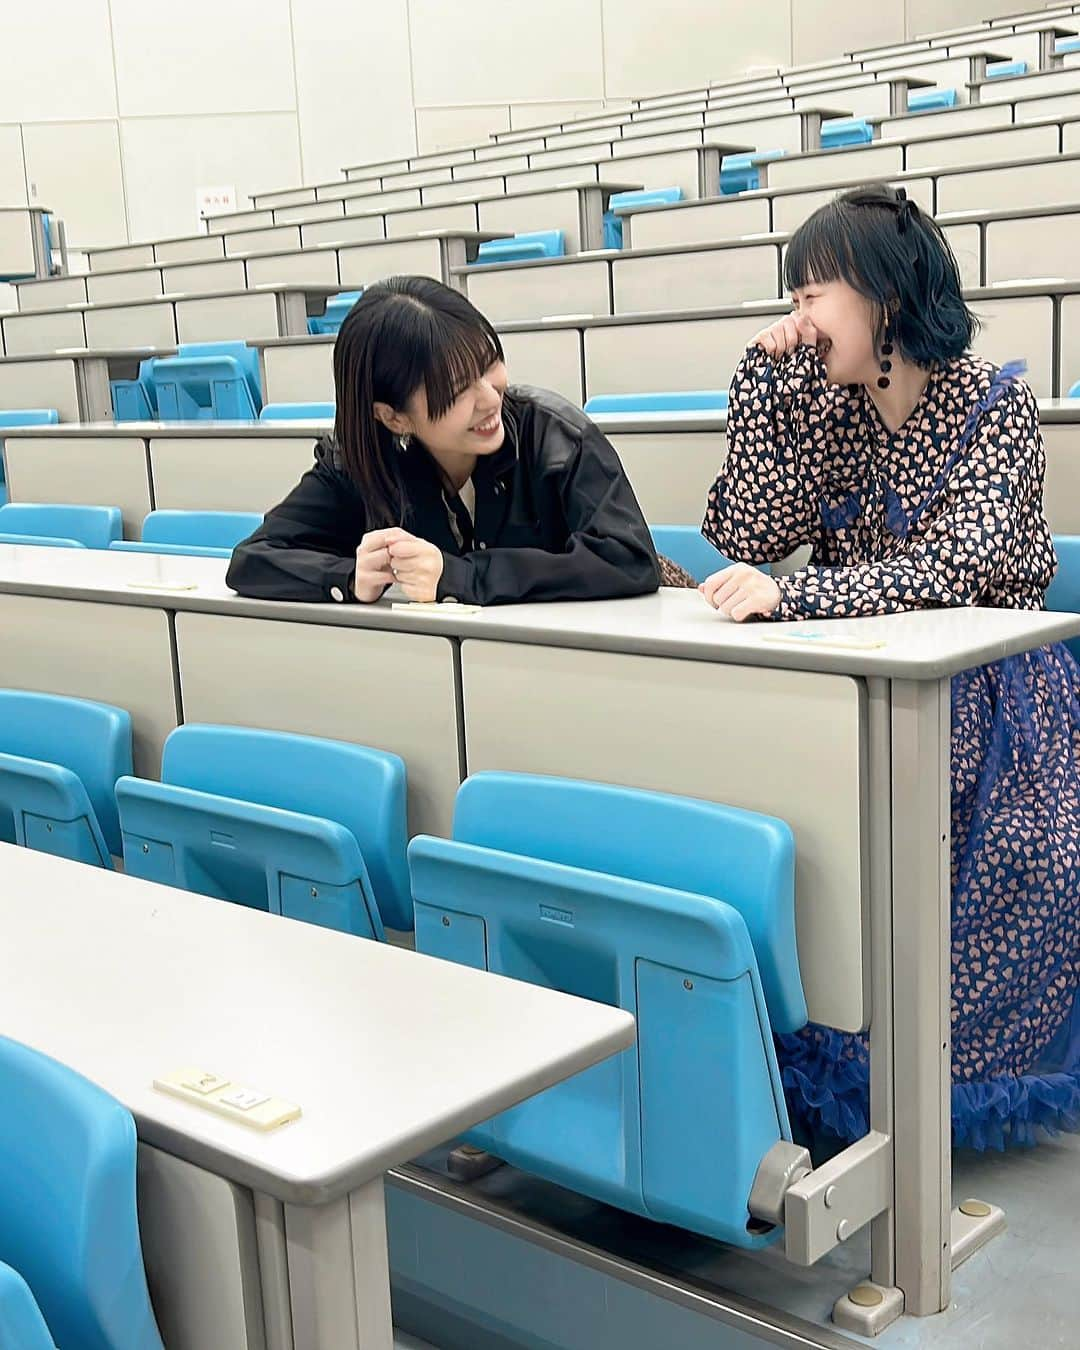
<point x="154" y="404"/>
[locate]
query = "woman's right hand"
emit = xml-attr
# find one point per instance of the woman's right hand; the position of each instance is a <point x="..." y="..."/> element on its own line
<point x="373" y="573"/>
<point x="784" y="336"/>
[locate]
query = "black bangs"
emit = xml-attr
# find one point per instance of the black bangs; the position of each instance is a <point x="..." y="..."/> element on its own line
<point x="820" y="251"/>
<point x="460" y="352"/>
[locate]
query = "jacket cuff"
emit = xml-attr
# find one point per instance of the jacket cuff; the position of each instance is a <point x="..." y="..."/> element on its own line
<point x="457" y="580"/>
<point x="337" y="582"/>
<point x="791" y="595"/>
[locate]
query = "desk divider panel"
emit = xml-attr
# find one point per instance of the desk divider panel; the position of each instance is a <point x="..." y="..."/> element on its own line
<point x="78" y="470"/>
<point x="120" y="654"/>
<point x="390" y="690"/>
<point x="227" y="473"/>
<point x="763" y="739"/>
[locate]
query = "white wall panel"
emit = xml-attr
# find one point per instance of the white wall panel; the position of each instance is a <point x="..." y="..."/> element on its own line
<point x="74" y="168"/>
<point x="55" y="61"/>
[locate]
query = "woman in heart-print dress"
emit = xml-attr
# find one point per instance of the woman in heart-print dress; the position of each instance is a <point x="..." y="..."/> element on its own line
<point x="861" y="426"/>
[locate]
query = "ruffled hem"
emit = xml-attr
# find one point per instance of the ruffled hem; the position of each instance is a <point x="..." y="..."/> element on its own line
<point x="826" y="1081"/>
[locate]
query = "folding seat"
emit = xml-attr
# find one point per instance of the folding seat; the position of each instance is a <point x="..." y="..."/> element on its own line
<point x="679" y="910"/>
<point x="312" y="829"/>
<point x="42" y="522"/>
<point x="523" y="248"/>
<point x="206" y="534"/>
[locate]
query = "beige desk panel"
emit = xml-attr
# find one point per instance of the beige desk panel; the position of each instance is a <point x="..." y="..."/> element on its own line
<point x="699" y="224"/>
<point x="101" y="470"/>
<point x="40" y="384"/>
<point x="299" y="374"/>
<point x="51" y="294"/>
<point x="1043" y="246"/>
<point x="226" y="318"/>
<point x="121" y="259"/>
<point x="293" y="269"/>
<point x="966" y="242"/>
<point x="790" y="210"/>
<point x="671" y="474"/>
<point x="1020" y="143"/>
<point x="754" y="738"/>
<point x="624" y="150"/>
<point x="234" y="473"/>
<point x="1061" y="499"/>
<point x="104" y="288"/>
<point x="1070" y="342"/>
<point x="404" y="224"/>
<point x="223" y="274"/>
<point x="837" y="167"/>
<point x="358" y="203"/>
<point x="920" y="125"/>
<point x="16" y="244"/>
<point x="551" y="360"/>
<point x="393" y="691"/>
<point x="696" y="280"/>
<point x="44" y="332"/>
<point x="200" y="249"/>
<point x="536" y="293"/>
<point x="553" y="177"/>
<point x="296" y="215"/>
<point x="366" y="263"/>
<point x="542" y="211"/>
<point x="118" y="654"/>
<point x="1019" y="329"/>
<point x="348" y="230"/>
<point x="137" y="326"/>
<point x="678" y="169"/>
<point x="280" y="239"/>
<point x="699" y="354"/>
<point x="1049" y="184"/>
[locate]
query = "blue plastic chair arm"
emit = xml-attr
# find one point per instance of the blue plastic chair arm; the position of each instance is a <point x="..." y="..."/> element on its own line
<point x="185" y="550"/>
<point x="51" y="810"/>
<point x="311" y="868"/>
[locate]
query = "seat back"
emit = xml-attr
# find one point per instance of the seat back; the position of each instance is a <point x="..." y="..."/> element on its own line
<point x="135" y="400"/>
<point x="337" y="307"/>
<point x="1003" y="70"/>
<point x="41" y="541"/>
<point x="1074" y="392"/>
<point x="360" y="790"/>
<point x="91" y="526"/>
<point x="175" y="550"/>
<point x="296" y="412"/>
<point x="919" y="101"/>
<point x="209" y="529"/>
<point x="90" y="742"/>
<point x="839" y="131"/>
<point x="674" y="1129"/>
<point x="741" y="857"/>
<point x="622" y="203"/>
<point x="1065" y="45"/>
<point x="740" y="172"/>
<point x="21" y="1324"/>
<point x="68" y="1220"/>
<point x="523" y="248"/>
<point x="685" y="545"/>
<point x="689" y="400"/>
<point x="1063" y="594"/>
<point x="208" y="381"/>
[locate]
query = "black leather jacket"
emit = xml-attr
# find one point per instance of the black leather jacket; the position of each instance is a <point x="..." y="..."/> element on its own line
<point x="556" y="519"/>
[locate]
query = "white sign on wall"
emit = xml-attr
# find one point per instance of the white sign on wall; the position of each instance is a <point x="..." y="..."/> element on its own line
<point x="214" y="201"/>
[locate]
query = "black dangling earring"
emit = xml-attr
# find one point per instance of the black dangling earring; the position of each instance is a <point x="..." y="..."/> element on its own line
<point x="886" y="352"/>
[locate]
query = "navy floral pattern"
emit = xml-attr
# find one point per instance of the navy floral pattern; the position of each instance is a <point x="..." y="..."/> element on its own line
<point x="947" y="511"/>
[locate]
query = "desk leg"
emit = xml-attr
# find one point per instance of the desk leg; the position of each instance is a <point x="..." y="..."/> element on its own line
<point x="339" y="1273"/>
<point x="921" y="814"/>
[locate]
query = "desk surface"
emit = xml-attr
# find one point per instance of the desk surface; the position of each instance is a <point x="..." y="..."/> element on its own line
<point x="673" y="623"/>
<point x="387" y="1052"/>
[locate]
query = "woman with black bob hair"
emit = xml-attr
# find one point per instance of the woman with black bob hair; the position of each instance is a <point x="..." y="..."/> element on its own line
<point x="860" y="425"/>
<point x="442" y="477"/>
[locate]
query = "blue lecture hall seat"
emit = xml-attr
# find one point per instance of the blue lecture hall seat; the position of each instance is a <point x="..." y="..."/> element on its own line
<point x="619" y="203"/>
<point x="206" y="534"/>
<point x="317" y="827"/>
<point x="90" y="526"/>
<point x="23" y="417"/>
<point x="60" y="759"/>
<point x="21" y="1324"/>
<point x="204" y="381"/>
<point x="679" y="910"/>
<point x="740" y="172"/>
<point x="689" y="400"/>
<point x="924" y="99"/>
<point x="38" y="541"/>
<point x="687" y="546"/>
<point x="1074" y="392"/>
<point x="337" y="306"/>
<point x="1000" y="70"/>
<point x="839" y="131"/>
<point x="68" y="1221"/>
<point x="296" y="412"/>
<point x="1065" y="45"/>
<point x="1063" y="594"/>
<point x="523" y="248"/>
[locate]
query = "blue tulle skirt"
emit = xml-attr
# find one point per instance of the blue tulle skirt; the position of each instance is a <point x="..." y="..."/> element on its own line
<point x="1015" y="923"/>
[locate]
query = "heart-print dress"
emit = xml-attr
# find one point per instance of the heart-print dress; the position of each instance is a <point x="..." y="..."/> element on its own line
<point x="947" y="511"/>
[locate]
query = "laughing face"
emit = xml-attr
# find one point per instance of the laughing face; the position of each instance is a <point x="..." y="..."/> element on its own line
<point x="845" y="323"/>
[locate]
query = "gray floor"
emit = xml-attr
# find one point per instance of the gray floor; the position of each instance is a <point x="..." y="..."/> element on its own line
<point x="1020" y="1292"/>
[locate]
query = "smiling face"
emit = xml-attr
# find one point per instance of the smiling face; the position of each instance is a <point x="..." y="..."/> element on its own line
<point x="847" y="325"/>
<point x="472" y="425"/>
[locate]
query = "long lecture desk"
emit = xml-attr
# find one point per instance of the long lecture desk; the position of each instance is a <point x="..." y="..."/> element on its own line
<point x="657" y="692"/>
<point x="670" y="458"/>
<point x="386" y="1052"/>
<point x="24" y="251"/>
<point x="437" y="255"/>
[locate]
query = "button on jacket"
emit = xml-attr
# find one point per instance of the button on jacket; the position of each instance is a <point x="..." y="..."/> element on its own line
<point x="556" y="519"/>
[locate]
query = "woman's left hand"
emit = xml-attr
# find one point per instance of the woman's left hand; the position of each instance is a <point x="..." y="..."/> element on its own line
<point x="417" y="567"/>
<point x="741" y="592"/>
